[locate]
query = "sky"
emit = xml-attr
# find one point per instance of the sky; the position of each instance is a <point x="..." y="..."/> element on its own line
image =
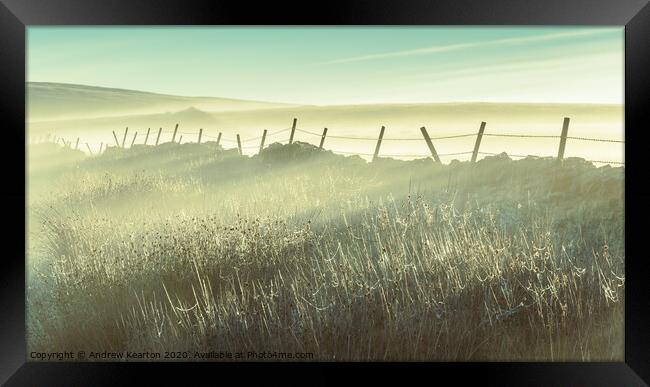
<point x="339" y="65"/>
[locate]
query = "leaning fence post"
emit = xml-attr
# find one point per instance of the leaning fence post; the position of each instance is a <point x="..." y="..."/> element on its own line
<point x="124" y="139"/>
<point x="565" y="130"/>
<point x="158" y="138"/>
<point x="101" y="145"/>
<point x="293" y="130"/>
<point x="263" y="139"/>
<point x="76" y="144"/>
<point x="116" y="140"/>
<point x="322" y="138"/>
<point x="218" y="138"/>
<point x="200" y="134"/>
<point x="180" y="139"/>
<point x="133" y="141"/>
<point x="381" y="135"/>
<point x="430" y="144"/>
<point x="147" y="136"/>
<point x="239" y="145"/>
<point x="478" y="141"/>
<point x="174" y="135"/>
<point x="89" y="150"/>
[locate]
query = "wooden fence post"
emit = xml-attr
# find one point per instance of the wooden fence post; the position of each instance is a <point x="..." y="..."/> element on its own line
<point x="124" y="139"/>
<point x="117" y="142"/>
<point x="239" y="145"/>
<point x="565" y="130"/>
<point x="381" y="135"/>
<point x="478" y="141"/>
<point x="101" y="145"/>
<point x="133" y="141"/>
<point x="147" y="136"/>
<point x="174" y="135"/>
<point x="76" y="144"/>
<point x="263" y="139"/>
<point x="158" y="138"/>
<point x="180" y="139"/>
<point x="200" y="134"/>
<point x="430" y="144"/>
<point x="218" y="138"/>
<point x="293" y="130"/>
<point x="89" y="150"/>
<point x="322" y="138"/>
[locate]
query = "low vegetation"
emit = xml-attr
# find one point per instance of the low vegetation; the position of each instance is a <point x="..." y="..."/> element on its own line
<point x="194" y="248"/>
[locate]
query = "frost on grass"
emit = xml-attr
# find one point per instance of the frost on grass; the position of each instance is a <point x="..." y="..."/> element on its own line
<point x="301" y="250"/>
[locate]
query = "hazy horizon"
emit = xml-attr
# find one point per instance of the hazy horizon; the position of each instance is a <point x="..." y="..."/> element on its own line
<point x="331" y="104"/>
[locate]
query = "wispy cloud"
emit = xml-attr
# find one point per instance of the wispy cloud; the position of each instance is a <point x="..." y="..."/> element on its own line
<point x="464" y="46"/>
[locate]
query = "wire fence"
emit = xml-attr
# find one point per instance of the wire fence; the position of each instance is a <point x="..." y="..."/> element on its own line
<point x="289" y="133"/>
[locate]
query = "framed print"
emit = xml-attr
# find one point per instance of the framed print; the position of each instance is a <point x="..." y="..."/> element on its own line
<point x="281" y="192"/>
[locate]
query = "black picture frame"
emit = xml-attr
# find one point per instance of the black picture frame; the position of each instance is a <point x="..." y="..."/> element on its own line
<point x="16" y="15"/>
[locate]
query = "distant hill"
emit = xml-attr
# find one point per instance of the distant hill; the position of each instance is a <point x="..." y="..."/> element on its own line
<point x="55" y="101"/>
<point x="93" y="113"/>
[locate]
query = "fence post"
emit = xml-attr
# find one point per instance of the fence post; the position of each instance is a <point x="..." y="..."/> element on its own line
<point x="101" y="145"/>
<point x="147" y="136"/>
<point x="174" y="135"/>
<point x="158" y="138"/>
<point x="565" y="130"/>
<point x="133" y="141"/>
<point x="239" y="145"/>
<point x="200" y="134"/>
<point x="116" y="140"/>
<point x="478" y="141"/>
<point x="180" y="139"/>
<point x="76" y="144"/>
<point x="322" y="139"/>
<point x="263" y="139"/>
<point x="124" y="139"/>
<point x="430" y="144"/>
<point x="89" y="150"/>
<point x="218" y="138"/>
<point x="293" y="130"/>
<point x="381" y="135"/>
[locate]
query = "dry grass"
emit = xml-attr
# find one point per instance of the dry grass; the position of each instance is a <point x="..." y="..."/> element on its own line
<point x="356" y="276"/>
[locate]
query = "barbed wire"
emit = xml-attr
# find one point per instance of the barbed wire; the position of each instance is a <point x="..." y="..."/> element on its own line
<point x="595" y="139"/>
<point x="400" y="155"/>
<point x="455" y="154"/>
<point x="520" y="135"/>
<point x="223" y="139"/>
<point x="386" y="138"/>
<point x="508" y="154"/>
<point x="607" y="162"/>
<point x="552" y="136"/>
<point x="267" y="135"/>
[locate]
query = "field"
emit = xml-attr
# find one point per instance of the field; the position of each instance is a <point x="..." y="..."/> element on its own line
<point x="92" y="113"/>
<point x="195" y="248"/>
